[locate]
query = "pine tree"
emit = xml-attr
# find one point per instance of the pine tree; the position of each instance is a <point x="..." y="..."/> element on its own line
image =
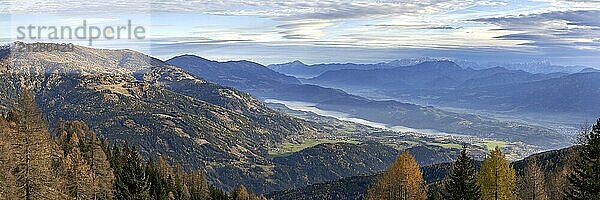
<point x="434" y="192"/>
<point x="33" y="154"/>
<point x="217" y="194"/>
<point x="158" y="186"/>
<point x="181" y="189"/>
<point x="403" y="180"/>
<point x="240" y="193"/>
<point x="80" y="183"/>
<point x="166" y="173"/>
<point x="131" y="180"/>
<point x="461" y="182"/>
<point x="102" y="174"/>
<point x="198" y="186"/>
<point x="80" y="143"/>
<point x="8" y="189"/>
<point x="497" y="178"/>
<point x="584" y="181"/>
<point x="533" y="187"/>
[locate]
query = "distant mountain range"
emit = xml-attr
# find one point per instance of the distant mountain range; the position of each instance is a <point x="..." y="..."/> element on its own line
<point x="301" y="70"/>
<point x="446" y="83"/>
<point x="533" y="67"/>
<point x="393" y="113"/>
<point x="462" y="84"/>
<point x="427" y="75"/>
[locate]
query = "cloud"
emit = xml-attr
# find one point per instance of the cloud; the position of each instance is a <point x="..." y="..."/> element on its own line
<point x="374" y="26"/>
<point x="573" y="4"/>
<point x="297" y="37"/>
<point x="278" y="9"/>
<point x="193" y="40"/>
<point x="571" y="29"/>
<point x="443" y="27"/>
<point x="302" y="19"/>
<point x="580" y="18"/>
<point x="417" y="26"/>
<point x="304" y="29"/>
<point x="327" y="53"/>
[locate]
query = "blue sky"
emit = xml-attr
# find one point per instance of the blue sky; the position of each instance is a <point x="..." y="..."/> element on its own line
<point x="317" y="31"/>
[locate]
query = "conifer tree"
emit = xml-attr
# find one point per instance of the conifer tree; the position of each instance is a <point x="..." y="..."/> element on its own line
<point x="79" y="180"/>
<point x="116" y="160"/>
<point x="217" y="194"/>
<point x="158" y="186"/>
<point x="32" y="154"/>
<point x="82" y="147"/>
<point x="461" y="182"/>
<point x="198" y="186"/>
<point x="131" y="180"/>
<point x="240" y="193"/>
<point x="497" y="178"/>
<point x="584" y="181"/>
<point x="434" y="192"/>
<point x="8" y="189"/>
<point x="166" y="173"/>
<point x="403" y="180"/>
<point x="102" y="174"/>
<point x="533" y="182"/>
<point x="181" y="189"/>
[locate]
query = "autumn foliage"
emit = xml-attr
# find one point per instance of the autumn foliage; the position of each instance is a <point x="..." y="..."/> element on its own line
<point x="403" y="180"/>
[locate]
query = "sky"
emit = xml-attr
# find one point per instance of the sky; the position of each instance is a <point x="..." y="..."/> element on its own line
<point x="565" y="32"/>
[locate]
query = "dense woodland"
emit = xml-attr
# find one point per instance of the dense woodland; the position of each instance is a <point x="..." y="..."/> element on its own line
<point x="578" y="178"/>
<point x="74" y="163"/>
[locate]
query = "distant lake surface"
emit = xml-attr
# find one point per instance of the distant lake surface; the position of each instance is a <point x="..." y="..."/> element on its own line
<point x="312" y="107"/>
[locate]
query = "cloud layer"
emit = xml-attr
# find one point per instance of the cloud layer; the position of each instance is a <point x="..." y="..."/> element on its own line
<point x="560" y="29"/>
<point x="266" y="29"/>
<point x="281" y="9"/>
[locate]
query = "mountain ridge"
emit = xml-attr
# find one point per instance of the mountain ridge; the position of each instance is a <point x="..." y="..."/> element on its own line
<point x="497" y="89"/>
<point x="130" y="97"/>
<point x="397" y="113"/>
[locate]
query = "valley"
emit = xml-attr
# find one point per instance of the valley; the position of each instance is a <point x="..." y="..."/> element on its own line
<point x="178" y="110"/>
<point x="479" y="128"/>
<point x="515" y="150"/>
<point x="129" y="98"/>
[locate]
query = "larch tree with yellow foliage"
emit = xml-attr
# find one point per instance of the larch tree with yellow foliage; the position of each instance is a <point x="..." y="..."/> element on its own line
<point x="497" y="178"/>
<point x="403" y="180"/>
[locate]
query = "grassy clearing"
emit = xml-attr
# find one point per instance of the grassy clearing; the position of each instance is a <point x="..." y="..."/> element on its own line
<point x="411" y="143"/>
<point x="446" y="145"/>
<point x="492" y="144"/>
<point x="289" y="148"/>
